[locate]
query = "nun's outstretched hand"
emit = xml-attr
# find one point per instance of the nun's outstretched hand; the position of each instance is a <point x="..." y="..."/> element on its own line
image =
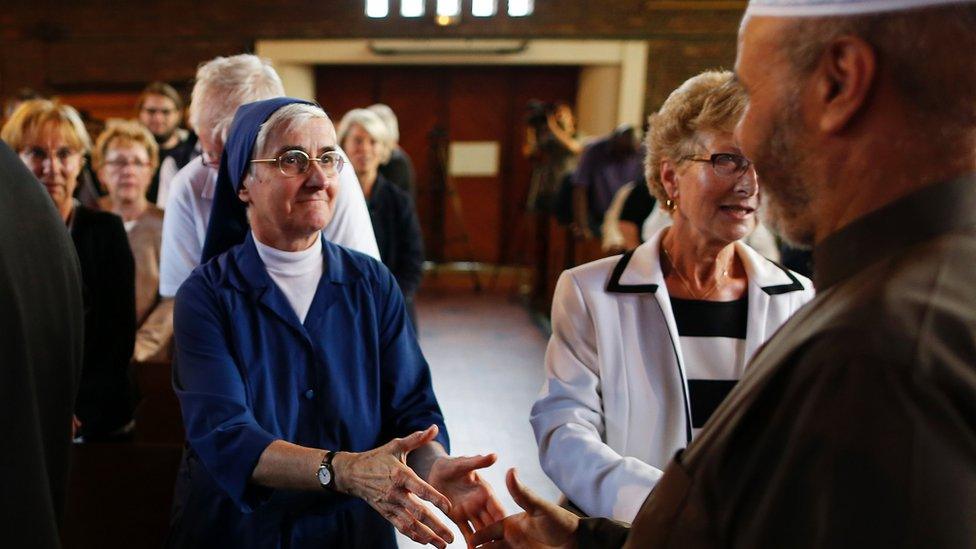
<point x="473" y="502"/>
<point x="382" y="478"/>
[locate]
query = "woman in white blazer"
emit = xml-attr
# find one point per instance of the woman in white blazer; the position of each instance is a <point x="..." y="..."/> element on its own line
<point x="646" y="345"/>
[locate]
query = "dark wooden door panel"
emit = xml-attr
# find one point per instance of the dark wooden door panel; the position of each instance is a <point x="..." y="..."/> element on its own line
<point x="467" y="104"/>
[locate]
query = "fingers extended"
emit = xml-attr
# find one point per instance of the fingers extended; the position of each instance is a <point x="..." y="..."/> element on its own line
<point x="495" y="509"/>
<point x="409" y="526"/>
<point x="409" y="480"/>
<point x="422" y="513"/>
<point x="522" y="496"/>
<point x="492" y="532"/>
<point x="464" y="464"/>
<point x="416" y="440"/>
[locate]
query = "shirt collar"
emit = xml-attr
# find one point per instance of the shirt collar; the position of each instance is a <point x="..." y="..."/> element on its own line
<point x="918" y="217"/>
<point x="251" y="274"/>
<point x="640" y="271"/>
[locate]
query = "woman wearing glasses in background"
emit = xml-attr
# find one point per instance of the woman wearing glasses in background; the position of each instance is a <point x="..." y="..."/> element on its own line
<point x="125" y="157"/>
<point x="52" y="141"/>
<point x="646" y="345"/>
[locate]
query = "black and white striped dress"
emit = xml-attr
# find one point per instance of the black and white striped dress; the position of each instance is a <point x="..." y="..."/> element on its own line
<point x="712" y="335"/>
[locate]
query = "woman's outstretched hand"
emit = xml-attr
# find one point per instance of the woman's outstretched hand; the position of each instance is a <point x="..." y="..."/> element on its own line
<point x="542" y="525"/>
<point x="473" y="502"/>
<point x="382" y="478"/>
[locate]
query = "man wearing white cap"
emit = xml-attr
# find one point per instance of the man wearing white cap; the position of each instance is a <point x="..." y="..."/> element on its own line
<point x="855" y="425"/>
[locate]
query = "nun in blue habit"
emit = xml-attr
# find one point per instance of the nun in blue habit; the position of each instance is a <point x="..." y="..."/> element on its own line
<point x="309" y="412"/>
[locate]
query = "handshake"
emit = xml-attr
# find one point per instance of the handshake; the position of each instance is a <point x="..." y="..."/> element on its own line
<point x="382" y="479"/>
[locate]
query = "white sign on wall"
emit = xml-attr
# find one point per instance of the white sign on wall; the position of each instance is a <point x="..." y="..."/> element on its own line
<point x="473" y="158"/>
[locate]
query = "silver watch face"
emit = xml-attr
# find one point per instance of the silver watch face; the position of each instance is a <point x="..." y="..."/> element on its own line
<point x="325" y="476"/>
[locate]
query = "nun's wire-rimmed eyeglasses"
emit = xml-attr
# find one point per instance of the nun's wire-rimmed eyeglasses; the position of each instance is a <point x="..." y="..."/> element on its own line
<point x="296" y="162"/>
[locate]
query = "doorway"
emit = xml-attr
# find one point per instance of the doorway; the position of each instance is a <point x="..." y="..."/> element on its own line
<point x="467" y="104"/>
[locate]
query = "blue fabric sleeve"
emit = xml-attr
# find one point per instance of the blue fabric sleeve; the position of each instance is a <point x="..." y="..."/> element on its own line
<point x="583" y="175"/>
<point x="408" y="396"/>
<point x="220" y="426"/>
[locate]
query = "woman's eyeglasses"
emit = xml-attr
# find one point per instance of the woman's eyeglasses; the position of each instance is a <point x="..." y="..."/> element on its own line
<point x="297" y="162"/>
<point x="122" y="163"/>
<point x="725" y="164"/>
<point x="35" y="156"/>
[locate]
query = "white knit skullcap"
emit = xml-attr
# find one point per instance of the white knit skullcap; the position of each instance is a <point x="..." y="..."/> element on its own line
<point x="828" y="8"/>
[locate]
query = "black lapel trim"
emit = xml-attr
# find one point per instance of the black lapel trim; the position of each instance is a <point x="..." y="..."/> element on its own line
<point x="794" y="286"/>
<point x="614" y="285"/>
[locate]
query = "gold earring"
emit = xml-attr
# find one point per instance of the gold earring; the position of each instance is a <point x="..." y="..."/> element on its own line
<point x="671" y="205"/>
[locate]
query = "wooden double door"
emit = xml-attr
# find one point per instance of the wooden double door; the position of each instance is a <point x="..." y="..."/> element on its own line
<point x="459" y="104"/>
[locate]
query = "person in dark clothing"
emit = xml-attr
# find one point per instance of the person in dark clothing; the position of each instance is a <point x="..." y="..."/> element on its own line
<point x="51" y="141"/>
<point x="395" y="223"/>
<point x="638" y="206"/>
<point x="854" y="425"/>
<point x="41" y="342"/>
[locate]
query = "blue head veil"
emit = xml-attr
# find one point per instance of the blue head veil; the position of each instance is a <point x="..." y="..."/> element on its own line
<point x="228" y="219"/>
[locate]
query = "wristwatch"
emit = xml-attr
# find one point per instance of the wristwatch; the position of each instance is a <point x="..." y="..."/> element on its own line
<point x="326" y="473"/>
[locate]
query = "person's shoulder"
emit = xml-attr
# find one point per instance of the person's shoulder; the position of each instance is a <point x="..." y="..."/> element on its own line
<point x="153" y="215"/>
<point x="208" y="277"/>
<point x="396" y="195"/>
<point x="592" y="277"/>
<point x="189" y="182"/>
<point x="353" y="264"/>
<point x="774" y="278"/>
<point x="98" y="219"/>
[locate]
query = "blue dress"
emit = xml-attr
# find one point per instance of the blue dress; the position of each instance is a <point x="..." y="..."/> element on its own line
<point x="248" y="372"/>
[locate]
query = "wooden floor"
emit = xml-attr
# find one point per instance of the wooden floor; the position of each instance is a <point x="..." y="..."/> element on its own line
<point x="486" y="357"/>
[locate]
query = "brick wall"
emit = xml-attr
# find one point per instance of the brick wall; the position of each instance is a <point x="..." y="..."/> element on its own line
<point x="111" y="46"/>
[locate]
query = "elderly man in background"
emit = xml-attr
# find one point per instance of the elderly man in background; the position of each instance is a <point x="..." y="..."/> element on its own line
<point x="856" y="425"/>
<point x="161" y="112"/>
<point x="222" y="85"/>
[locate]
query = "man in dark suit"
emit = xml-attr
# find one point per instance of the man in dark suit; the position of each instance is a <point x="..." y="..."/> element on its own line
<point x="41" y="338"/>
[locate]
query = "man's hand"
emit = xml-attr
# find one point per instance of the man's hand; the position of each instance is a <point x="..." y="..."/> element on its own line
<point x="381" y="477"/>
<point x="473" y="503"/>
<point x="542" y="525"/>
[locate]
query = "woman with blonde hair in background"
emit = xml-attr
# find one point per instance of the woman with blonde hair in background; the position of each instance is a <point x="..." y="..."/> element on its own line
<point x="125" y="157"/>
<point x="52" y="141"/>
<point x="646" y="345"/>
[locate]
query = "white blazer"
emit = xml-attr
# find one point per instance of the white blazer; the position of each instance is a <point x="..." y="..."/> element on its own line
<point x="614" y="408"/>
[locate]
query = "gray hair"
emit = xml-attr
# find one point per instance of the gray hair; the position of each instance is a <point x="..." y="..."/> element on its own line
<point x="281" y="121"/>
<point x="929" y="53"/>
<point x="374" y="126"/>
<point x="225" y="83"/>
<point x="389" y="118"/>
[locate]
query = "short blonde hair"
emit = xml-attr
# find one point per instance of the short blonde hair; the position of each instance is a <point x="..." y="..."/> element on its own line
<point x="710" y="101"/>
<point x="124" y="132"/>
<point x="32" y="117"/>
<point x="374" y="126"/>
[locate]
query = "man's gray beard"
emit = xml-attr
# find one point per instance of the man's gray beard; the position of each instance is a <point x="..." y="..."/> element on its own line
<point x="786" y="204"/>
